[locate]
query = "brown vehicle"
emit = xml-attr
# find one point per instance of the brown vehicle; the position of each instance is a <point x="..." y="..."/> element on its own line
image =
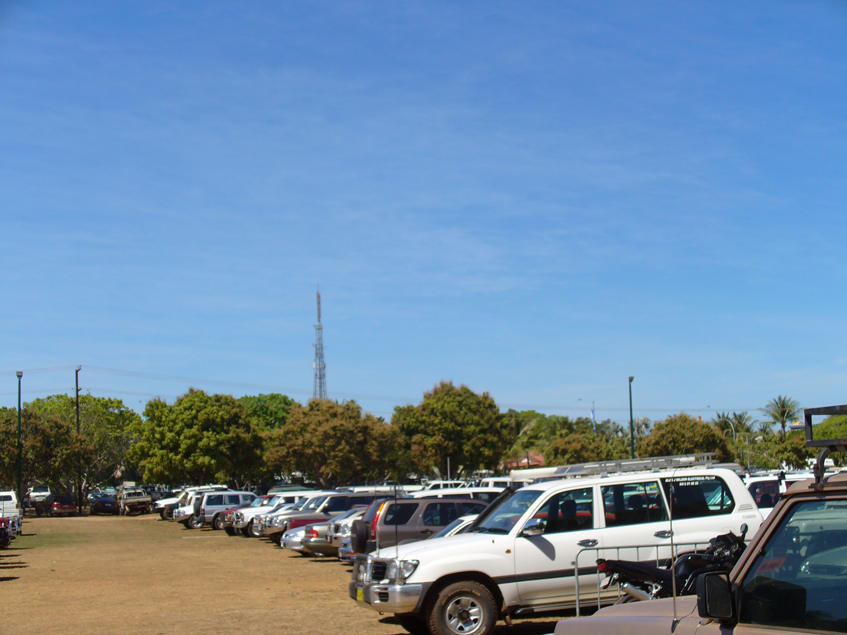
<point x="791" y="578"/>
<point x="412" y="519"/>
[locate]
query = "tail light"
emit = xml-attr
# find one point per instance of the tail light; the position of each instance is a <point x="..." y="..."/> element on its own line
<point x="376" y="520"/>
<point x="202" y="511"/>
<point x="312" y="533"/>
<point x="602" y="566"/>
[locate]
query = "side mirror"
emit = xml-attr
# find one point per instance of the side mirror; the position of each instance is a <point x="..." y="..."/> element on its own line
<point x="714" y="595"/>
<point x="533" y="527"/>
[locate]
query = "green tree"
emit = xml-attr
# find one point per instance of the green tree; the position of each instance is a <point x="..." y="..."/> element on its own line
<point x="199" y="439"/>
<point x="332" y="443"/>
<point x="777" y="451"/>
<point x="268" y="411"/>
<point x="579" y="447"/>
<point x="105" y="426"/>
<point x="781" y="411"/>
<point x="684" y="434"/>
<point x="456" y="423"/>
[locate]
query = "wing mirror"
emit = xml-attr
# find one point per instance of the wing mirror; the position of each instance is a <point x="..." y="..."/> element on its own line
<point x="714" y="595"/>
<point x="533" y="527"/>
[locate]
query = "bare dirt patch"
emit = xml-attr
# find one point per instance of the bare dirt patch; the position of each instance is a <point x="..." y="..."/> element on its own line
<point x="141" y="575"/>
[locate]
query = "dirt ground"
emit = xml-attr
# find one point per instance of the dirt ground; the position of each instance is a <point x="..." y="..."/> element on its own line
<point x="138" y="575"/>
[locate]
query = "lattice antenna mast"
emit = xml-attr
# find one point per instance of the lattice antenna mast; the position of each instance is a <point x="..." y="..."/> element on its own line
<point x="319" y="391"/>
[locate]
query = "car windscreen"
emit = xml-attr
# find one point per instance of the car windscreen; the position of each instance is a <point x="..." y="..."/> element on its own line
<point x="314" y="503"/>
<point x="502" y="518"/>
<point x="448" y="528"/>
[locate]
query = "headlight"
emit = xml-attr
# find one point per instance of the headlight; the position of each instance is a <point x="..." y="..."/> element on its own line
<point x="405" y="568"/>
<point x="345" y="530"/>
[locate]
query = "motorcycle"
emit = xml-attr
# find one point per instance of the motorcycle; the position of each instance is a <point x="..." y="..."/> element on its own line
<point x="642" y="581"/>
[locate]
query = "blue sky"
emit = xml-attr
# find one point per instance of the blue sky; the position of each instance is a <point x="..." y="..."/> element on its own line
<point x="537" y="200"/>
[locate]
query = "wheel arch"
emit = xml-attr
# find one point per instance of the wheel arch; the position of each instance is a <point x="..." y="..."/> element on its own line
<point x="445" y="581"/>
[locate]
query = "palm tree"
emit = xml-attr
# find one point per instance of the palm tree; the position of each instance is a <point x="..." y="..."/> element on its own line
<point x="743" y="422"/>
<point x="782" y="410"/>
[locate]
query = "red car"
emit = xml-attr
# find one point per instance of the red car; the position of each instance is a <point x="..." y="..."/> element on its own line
<point x="64" y="504"/>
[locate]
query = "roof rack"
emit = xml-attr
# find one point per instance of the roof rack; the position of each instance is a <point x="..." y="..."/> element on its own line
<point x="603" y="468"/>
<point x="828" y="445"/>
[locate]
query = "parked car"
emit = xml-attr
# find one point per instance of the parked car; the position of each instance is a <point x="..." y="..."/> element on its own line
<point x="530" y="547"/>
<point x="293" y="539"/>
<point x="485" y="494"/>
<point x="36" y="494"/>
<point x="104" y="505"/>
<point x="63" y="505"/>
<point x="319" y="508"/>
<point x="245" y="520"/>
<point x="166" y="506"/>
<point x="208" y="505"/>
<point x="319" y="538"/>
<point x="413" y="519"/>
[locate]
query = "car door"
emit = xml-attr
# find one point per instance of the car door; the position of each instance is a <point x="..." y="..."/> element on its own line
<point x="636" y="521"/>
<point x="544" y="563"/>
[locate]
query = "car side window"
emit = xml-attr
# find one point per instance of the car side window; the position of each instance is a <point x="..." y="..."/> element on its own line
<point x="440" y="514"/>
<point x="568" y="511"/>
<point x="400" y="513"/>
<point x="217" y="499"/>
<point x="698" y="496"/>
<point x="633" y="504"/>
<point x="798" y="579"/>
<point x="470" y="507"/>
<point x="765" y="493"/>
<point x="337" y="504"/>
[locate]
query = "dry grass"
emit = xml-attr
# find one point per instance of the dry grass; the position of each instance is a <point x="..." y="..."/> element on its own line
<point x="139" y="575"/>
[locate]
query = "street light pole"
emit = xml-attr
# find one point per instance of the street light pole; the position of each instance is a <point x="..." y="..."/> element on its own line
<point x="78" y="467"/>
<point x="20" y="449"/>
<point x="631" y="423"/>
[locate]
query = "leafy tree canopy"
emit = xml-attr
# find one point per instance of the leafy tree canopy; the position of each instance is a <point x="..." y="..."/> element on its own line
<point x="684" y="434"/>
<point x="457" y="423"/>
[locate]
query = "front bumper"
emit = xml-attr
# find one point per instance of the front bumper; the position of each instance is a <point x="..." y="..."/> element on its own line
<point x="387" y="598"/>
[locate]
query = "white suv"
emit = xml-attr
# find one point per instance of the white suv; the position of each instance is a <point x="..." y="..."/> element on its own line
<point x="524" y="553"/>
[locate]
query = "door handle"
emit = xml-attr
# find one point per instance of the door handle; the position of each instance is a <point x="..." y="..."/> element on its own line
<point x="426" y="531"/>
<point x="663" y="534"/>
<point x="588" y="542"/>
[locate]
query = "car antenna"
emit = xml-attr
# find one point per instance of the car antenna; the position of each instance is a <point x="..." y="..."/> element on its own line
<point x="675" y="622"/>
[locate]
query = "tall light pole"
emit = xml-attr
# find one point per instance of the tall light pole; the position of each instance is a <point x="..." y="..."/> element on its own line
<point x="20" y="449"/>
<point x="78" y="468"/>
<point x="631" y="423"/>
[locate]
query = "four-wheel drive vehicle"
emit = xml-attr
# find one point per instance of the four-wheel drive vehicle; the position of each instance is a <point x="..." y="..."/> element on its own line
<point x="134" y="500"/>
<point x="36" y="494"/>
<point x="790" y="579"/>
<point x="413" y="519"/>
<point x="522" y="553"/>
<point x="166" y="507"/>
<point x="208" y="505"/>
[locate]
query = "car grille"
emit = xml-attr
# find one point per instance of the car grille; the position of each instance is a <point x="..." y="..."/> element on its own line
<point x="378" y="570"/>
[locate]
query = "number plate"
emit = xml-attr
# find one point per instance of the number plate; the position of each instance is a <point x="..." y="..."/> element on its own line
<point x="360" y="595"/>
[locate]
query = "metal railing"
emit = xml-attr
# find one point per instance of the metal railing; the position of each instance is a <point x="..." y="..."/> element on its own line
<point x="660" y="554"/>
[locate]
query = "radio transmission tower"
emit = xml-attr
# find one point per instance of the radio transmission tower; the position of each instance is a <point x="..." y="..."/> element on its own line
<point x="320" y="366"/>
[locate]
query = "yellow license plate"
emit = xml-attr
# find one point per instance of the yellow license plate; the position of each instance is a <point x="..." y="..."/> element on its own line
<point x="360" y="595"/>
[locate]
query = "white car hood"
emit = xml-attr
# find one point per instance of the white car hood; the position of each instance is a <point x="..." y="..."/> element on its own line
<point x="432" y="547"/>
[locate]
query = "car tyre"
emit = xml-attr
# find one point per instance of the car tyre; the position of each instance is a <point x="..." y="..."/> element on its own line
<point x="358" y="536"/>
<point x="413" y="624"/>
<point x="195" y="523"/>
<point x="217" y="523"/>
<point x="251" y="531"/>
<point x="163" y="514"/>
<point x="463" y="608"/>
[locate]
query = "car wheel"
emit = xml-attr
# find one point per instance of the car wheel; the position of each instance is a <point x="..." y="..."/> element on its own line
<point x="195" y="523"/>
<point x="247" y="532"/>
<point x="229" y="531"/>
<point x="252" y="531"/>
<point x="217" y="523"/>
<point x="463" y="608"/>
<point x="413" y="624"/>
<point x="163" y="514"/>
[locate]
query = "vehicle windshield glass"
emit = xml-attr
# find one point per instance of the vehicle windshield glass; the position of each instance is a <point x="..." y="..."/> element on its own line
<point x="314" y="503"/>
<point x="448" y="528"/>
<point x="348" y="513"/>
<point x="508" y="512"/>
<point x="256" y="502"/>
